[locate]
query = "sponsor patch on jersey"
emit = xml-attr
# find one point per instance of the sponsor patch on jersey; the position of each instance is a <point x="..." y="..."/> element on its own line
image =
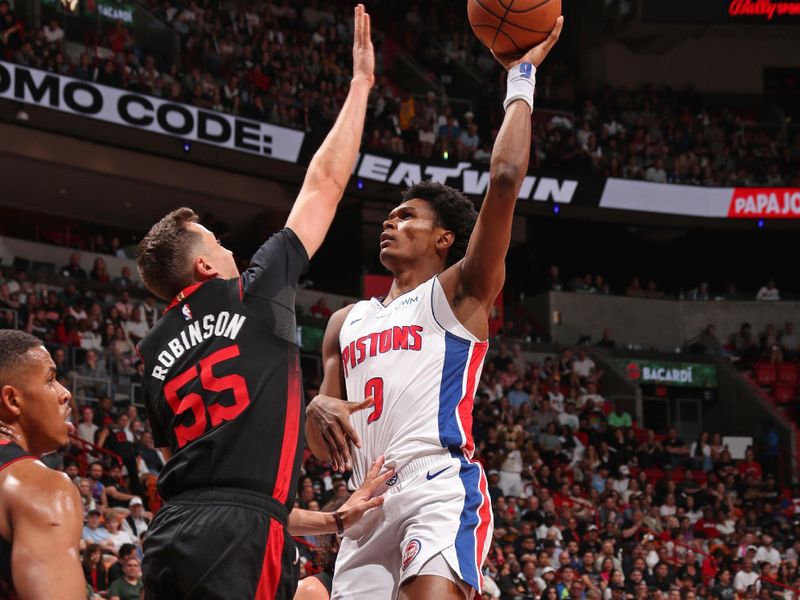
<point x="410" y="553"/>
<point x="187" y="312"/>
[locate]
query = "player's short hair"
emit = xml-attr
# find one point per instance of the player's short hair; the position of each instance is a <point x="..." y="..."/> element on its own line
<point x="164" y="254"/>
<point x="14" y="345"/>
<point x="454" y="211"/>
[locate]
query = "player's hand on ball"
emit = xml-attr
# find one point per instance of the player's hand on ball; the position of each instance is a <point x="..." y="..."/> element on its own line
<point x="331" y="416"/>
<point x="363" y="52"/>
<point x="362" y="499"/>
<point x="535" y="55"/>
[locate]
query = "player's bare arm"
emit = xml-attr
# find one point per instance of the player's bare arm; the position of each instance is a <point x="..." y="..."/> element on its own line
<point x="308" y="522"/>
<point x="44" y="510"/>
<point x="330" y="169"/>
<point x="473" y="283"/>
<point x="328" y="429"/>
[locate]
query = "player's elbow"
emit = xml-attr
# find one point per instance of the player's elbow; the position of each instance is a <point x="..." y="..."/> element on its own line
<point x="324" y="181"/>
<point x="506" y="176"/>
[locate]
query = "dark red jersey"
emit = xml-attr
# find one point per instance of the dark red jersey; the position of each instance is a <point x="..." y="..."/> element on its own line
<point x="222" y="379"/>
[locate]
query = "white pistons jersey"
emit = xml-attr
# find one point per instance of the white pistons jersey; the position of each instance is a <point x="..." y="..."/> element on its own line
<point x="421" y="366"/>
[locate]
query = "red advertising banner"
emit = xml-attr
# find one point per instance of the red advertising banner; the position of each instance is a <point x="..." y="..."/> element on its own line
<point x="768" y="9"/>
<point x="765" y="203"/>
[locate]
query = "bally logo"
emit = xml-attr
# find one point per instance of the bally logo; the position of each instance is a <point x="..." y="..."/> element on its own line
<point x="187" y="312"/>
<point x="410" y="553"/>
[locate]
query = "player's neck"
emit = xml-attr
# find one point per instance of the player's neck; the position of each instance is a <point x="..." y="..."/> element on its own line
<point x="405" y="281"/>
<point x="10" y="433"/>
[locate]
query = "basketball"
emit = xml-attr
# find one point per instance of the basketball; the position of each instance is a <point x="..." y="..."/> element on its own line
<point x="512" y="26"/>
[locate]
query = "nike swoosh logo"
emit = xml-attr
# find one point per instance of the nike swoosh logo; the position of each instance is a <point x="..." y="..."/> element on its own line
<point x="356" y="321"/>
<point x="435" y="475"/>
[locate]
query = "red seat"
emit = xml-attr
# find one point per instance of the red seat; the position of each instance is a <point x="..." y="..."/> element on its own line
<point x="678" y="475"/>
<point x="653" y="474"/>
<point x="700" y="477"/>
<point x="784" y="394"/>
<point x="766" y="374"/>
<point x="787" y="374"/>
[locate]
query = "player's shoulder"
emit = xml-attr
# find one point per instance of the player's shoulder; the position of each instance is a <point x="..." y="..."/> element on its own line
<point x="31" y="486"/>
<point x="338" y="318"/>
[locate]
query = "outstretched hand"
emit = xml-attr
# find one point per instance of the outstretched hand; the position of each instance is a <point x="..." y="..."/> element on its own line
<point x="362" y="499"/>
<point x="363" y="52"/>
<point x="535" y="55"/>
<point x="331" y="416"/>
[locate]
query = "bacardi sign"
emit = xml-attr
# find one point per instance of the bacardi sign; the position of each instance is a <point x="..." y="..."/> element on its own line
<point x="767" y="9"/>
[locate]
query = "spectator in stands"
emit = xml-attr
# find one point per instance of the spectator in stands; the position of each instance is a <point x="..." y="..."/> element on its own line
<point x="86" y="429"/>
<point x="709" y="341"/>
<point x="92" y="377"/>
<point x="700" y="293"/>
<point x="93" y="568"/>
<point x="634" y="289"/>
<point x="553" y="281"/>
<point x="606" y="341"/>
<point x="95" y="533"/>
<point x="745" y="345"/>
<point x="73" y="269"/>
<point x="99" y="272"/>
<point x="700" y="453"/>
<point x="117" y="537"/>
<point x="85" y="490"/>
<point x="769" y="291"/>
<point x="136" y="327"/>
<point x="124" y="305"/>
<point x="676" y="449"/>
<point x="619" y="417"/>
<point x="130" y="586"/>
<point x="124" y="280"/>
<point x="320" y="309"/>
<point x="746" y="577"/>
<point x="67" y="333"/>
<point x="151" y="455"/>
<point x="790" y="342"/>
<point x="116" y="570"/>
<point x="137" y="522"/>
<point x="582" y="369"/>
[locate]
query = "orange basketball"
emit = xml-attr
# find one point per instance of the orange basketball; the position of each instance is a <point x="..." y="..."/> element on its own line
<point x="512" y="26"/>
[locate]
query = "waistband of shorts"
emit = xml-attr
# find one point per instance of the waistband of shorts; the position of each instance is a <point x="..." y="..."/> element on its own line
<point x="424" y="462"/>
<point x="232" y="497"/>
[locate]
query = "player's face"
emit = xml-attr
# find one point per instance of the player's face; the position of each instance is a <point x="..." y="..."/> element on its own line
<point x="43" y="403"/>
<point x="217" y="257"/>
<point x="409" y="233"/>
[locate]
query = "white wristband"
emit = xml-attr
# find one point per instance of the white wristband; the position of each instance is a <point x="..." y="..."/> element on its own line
<point x="521" y="84"/>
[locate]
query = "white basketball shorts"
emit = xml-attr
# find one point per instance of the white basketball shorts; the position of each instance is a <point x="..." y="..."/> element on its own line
<point x="438" y="504"/>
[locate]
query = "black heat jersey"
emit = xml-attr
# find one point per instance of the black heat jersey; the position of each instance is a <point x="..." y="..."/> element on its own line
<point x="222" y="379"/>
<point x="9" y="453"/>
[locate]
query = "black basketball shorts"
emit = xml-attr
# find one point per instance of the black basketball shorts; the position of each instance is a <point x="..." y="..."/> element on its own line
<point x="220" y="544"/>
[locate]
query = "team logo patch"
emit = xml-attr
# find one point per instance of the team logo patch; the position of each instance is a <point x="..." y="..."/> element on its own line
<point x="392" y="480"/>
<point x="187" y="312"/>
<point x="410" y="553"/>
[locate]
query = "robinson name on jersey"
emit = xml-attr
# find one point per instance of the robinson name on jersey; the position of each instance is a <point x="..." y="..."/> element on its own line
<point x="222" y="324"/>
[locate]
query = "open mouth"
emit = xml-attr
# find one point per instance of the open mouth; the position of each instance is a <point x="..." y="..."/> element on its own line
<point x="68" y="422"/>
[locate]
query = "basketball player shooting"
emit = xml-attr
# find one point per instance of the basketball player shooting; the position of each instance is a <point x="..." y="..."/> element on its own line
<point x="418" y="354"/>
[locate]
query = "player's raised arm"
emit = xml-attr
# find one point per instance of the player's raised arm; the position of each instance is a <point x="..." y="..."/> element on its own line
<point x="483" y="268"/>
<point x="330" y="169"/>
